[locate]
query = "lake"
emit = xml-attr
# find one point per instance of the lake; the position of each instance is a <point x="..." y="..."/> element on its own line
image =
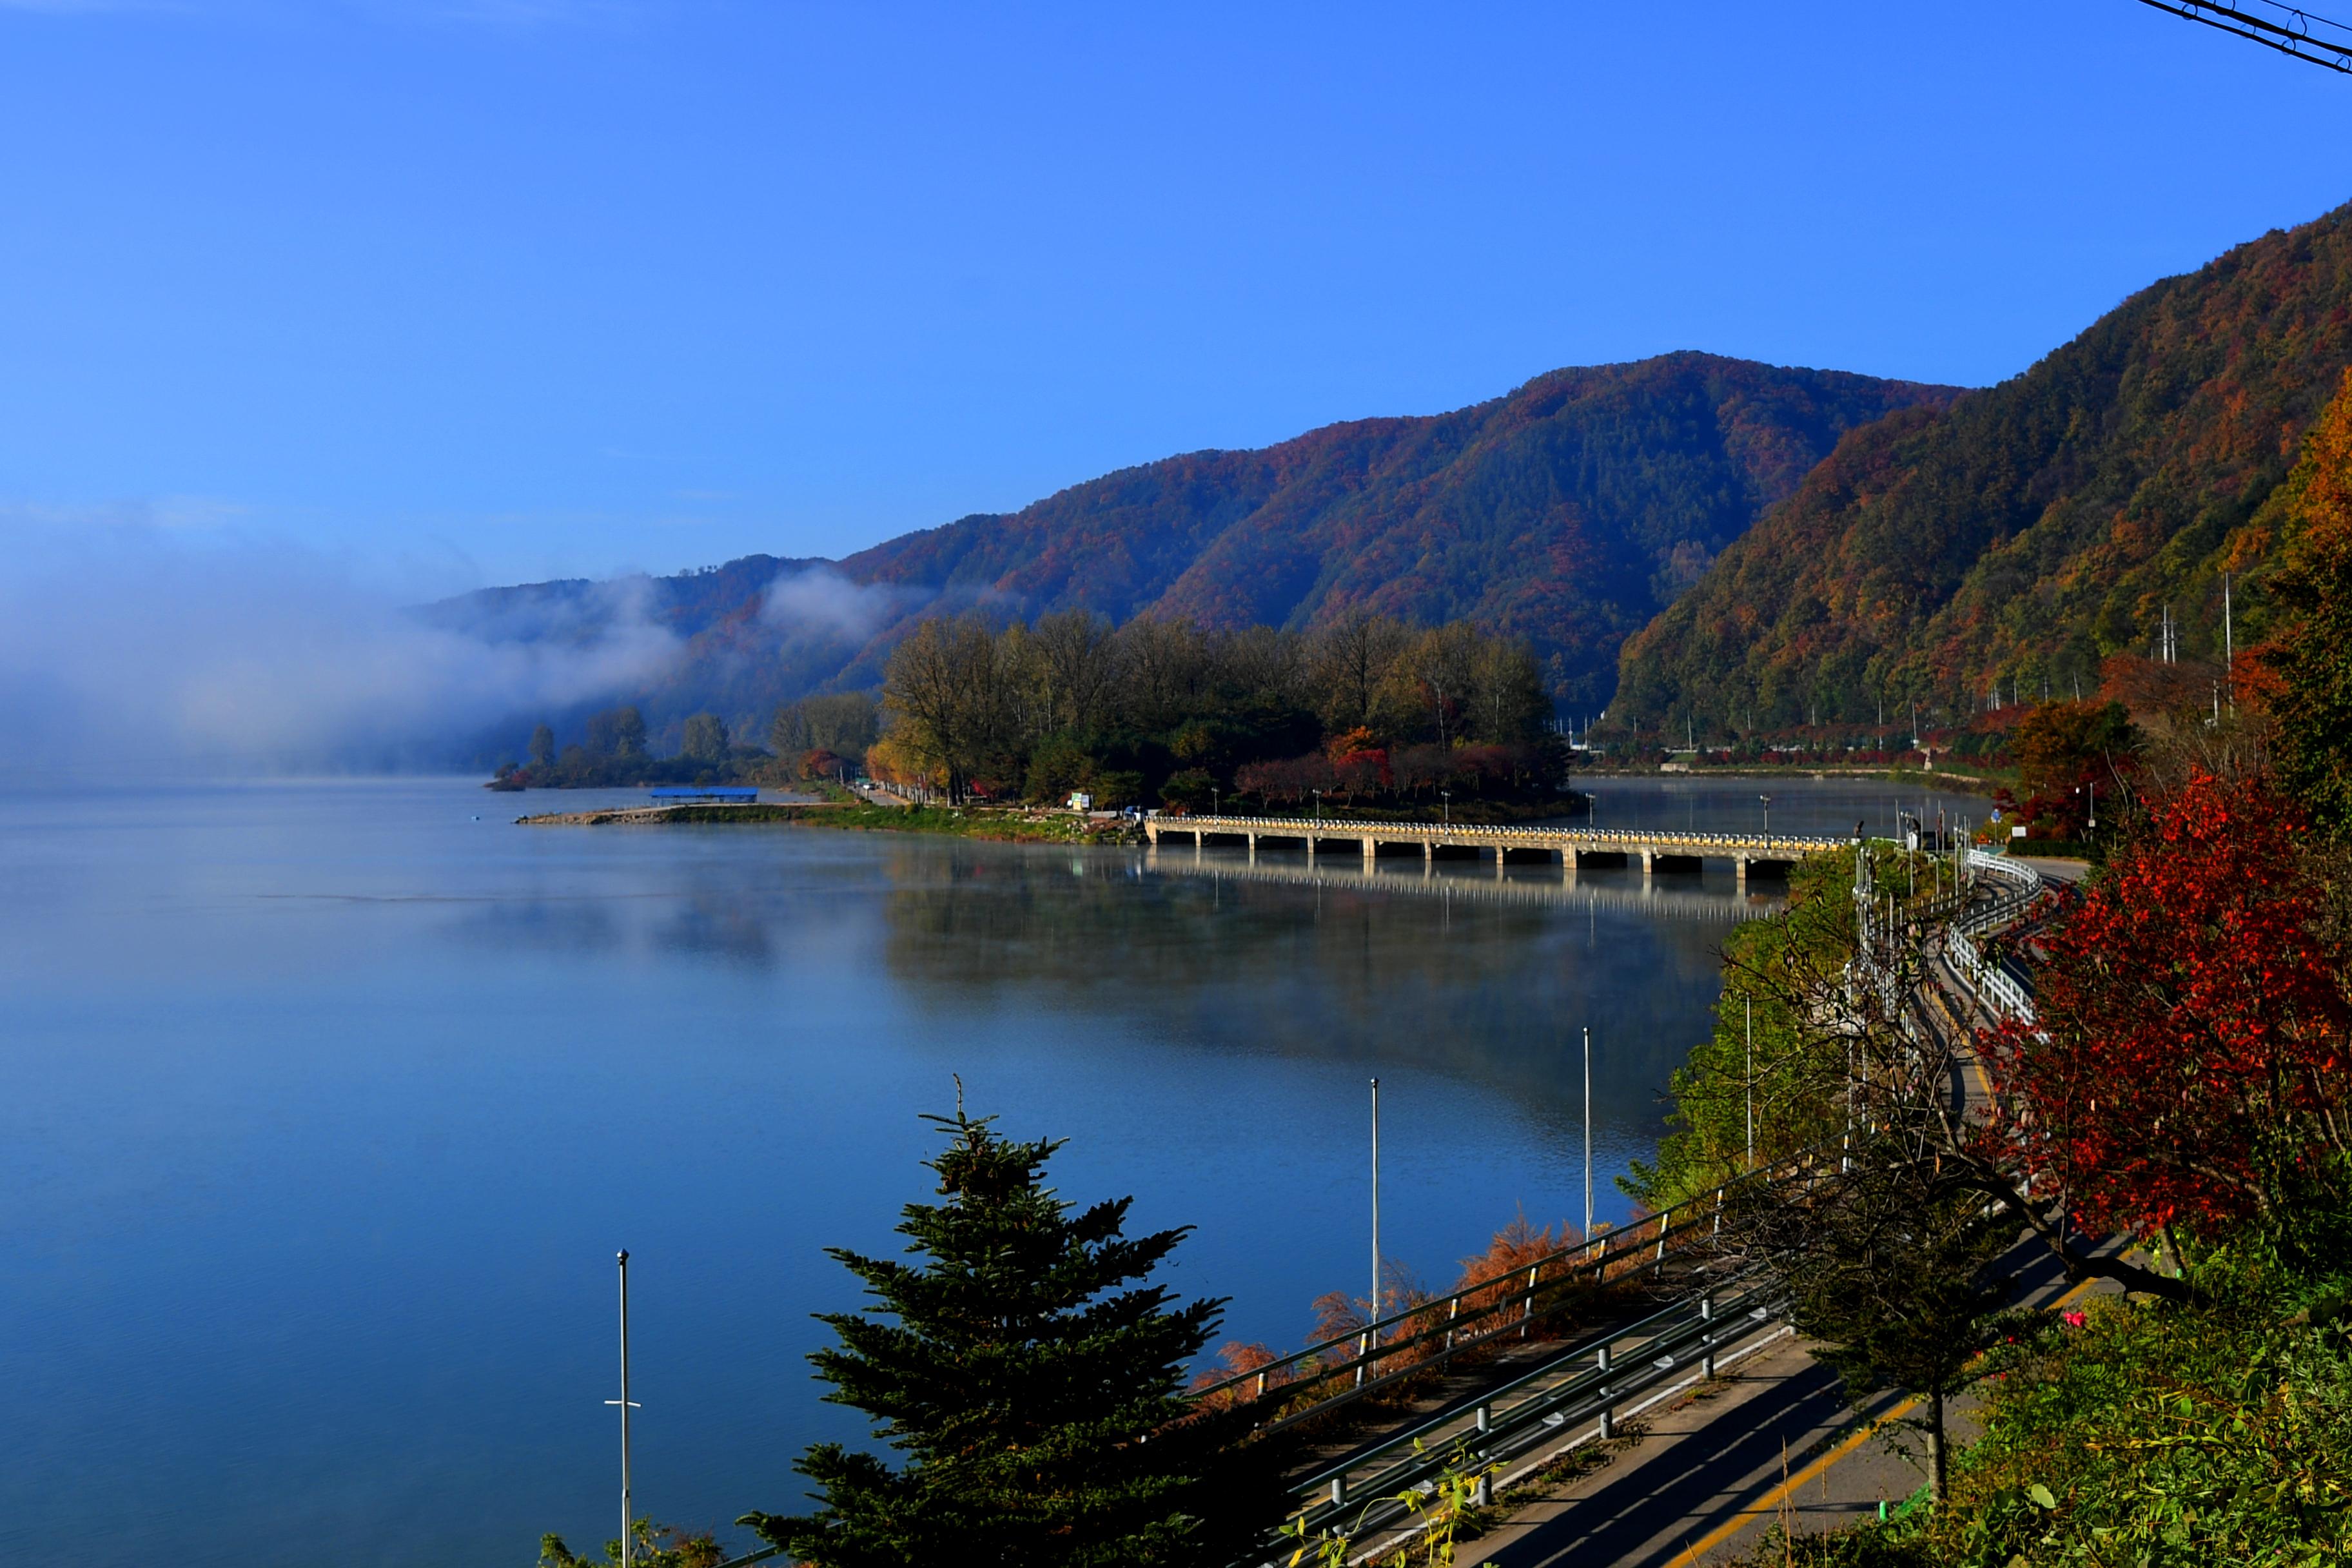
<point x="329" y="1102"/>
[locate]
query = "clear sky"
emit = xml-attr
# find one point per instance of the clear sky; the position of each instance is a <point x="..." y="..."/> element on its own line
<point x="488" y="289"/>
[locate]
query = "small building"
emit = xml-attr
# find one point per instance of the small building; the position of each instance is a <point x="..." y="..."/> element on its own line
<point x="705" y="795"/>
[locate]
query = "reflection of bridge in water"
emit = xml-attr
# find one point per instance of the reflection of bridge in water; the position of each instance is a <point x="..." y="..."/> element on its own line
<point x="1568" y="846"/>
<point x="1524" y="887"/>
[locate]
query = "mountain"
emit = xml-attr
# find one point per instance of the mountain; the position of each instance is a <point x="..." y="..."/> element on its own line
<point x="2020" y="535"/>
<point x="1569" y="512"/>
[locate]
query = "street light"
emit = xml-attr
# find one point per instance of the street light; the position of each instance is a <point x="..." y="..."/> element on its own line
<point x="1767" y="819"/>
<point x="1588" y="1132"/>
<point x="1748" y="1009"/>
<point x="1318" y="803"/>
<point x="1216" y="801"/>
<point x="1448" y="807"/>
<point x="2093" y="787"/>
<point x="628" y="1533"/>
<point x="1373" y="1316"/>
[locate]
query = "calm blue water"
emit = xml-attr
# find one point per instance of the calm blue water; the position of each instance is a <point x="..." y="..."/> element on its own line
<point x="329" y="1103"/>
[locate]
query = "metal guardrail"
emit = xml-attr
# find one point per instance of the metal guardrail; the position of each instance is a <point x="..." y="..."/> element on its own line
<point x="2004" y="990"/>
<point x="1516" y="1303"/>
<point x="1540" y="1410"/>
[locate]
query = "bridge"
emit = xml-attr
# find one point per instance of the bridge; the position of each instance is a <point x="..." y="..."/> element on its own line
<point x="1570" y="845"/>
<point x="1527" y="889"/>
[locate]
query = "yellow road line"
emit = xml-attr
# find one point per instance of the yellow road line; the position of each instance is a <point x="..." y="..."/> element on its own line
<point x="1771" y="1502"/>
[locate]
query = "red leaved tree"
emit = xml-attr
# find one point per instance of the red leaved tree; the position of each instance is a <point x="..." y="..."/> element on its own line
<point x="2189" y="1059"/>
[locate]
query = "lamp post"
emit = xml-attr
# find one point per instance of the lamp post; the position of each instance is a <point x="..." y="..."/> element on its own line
<point x="1767" y="819"/>
<point x="1373" y="1314"/>
<point x="628" y="1516"/>
<point x="1216" y="801"/>
<point x="1318" y="803"/>
<point x="1588" y="1132"/>
<point x="1748" y="1005"/>
<point x="1447" y="795"/>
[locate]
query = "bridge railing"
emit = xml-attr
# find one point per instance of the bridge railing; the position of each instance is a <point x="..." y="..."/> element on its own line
<point x="1340" y="827"/>
<point x="1415" y="1340"/>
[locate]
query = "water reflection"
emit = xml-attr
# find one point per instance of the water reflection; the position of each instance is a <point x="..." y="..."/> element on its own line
<point x="1473" y="977"/>
<point x="329" y="1103"/>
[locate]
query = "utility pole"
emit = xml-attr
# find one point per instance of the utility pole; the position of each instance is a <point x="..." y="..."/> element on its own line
<point x="1374" y="1315"/>
<point x="2229" y="646"/>
<point x="628" y="1513"/>
<point x="1588" y="1132"/>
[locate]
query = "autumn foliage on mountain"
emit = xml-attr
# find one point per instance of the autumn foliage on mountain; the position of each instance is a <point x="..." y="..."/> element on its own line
<point x="1566" y="514"/>
<point x="2313" y="661"/>
<point x="2024" y="534"/>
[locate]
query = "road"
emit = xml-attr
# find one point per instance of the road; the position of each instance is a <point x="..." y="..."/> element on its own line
<point x="1776" y="1439"/>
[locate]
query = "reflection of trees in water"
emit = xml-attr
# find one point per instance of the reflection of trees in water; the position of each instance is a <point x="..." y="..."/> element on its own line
<point x="974" y="933"/>
<point x="1481" y="991"/>
<point x="739" y="929"/>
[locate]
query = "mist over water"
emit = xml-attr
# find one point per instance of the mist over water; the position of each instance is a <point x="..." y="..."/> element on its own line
<point x="131" y="648"/>
<point x="330" y="1103"/>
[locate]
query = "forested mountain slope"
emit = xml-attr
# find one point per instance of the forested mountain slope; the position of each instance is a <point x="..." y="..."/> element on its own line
<point x="1567" y="512"/>
<point x="2026" y="532"/>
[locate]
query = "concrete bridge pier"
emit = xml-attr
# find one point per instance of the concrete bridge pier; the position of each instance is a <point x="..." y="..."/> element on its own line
<point x="1371" y="851"/>
<point x="1739" y="870"/>
<point x="1253" y="848"/>
<point x="1649" y="857"/>
<point x="1428" y="855"/>
<point x="1499" y="853"/>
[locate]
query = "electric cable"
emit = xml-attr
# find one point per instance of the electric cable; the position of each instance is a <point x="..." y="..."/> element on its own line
<point x="2307" y="37"/>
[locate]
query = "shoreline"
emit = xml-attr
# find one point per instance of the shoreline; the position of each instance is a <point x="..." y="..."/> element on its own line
<point x="1008" y="826"/>
<point x="842" y="816"/>
<point x="1966" y="783"/>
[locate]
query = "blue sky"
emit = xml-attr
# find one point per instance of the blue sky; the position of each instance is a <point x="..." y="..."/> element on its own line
<point x="460" y="292"/>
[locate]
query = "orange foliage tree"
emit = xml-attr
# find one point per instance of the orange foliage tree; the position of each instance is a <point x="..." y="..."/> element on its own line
<point x="2313" y="658"/>
<point x="2189" y="1061"/>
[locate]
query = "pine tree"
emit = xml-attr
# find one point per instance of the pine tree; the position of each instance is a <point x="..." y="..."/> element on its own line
<point x="1032" y="1384"/>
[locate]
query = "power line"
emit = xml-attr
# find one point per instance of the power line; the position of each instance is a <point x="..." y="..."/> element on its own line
<point x="2308" y="37"/>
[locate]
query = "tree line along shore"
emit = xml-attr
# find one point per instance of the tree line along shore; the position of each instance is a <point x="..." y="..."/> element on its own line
<point x="1371" y="714"/>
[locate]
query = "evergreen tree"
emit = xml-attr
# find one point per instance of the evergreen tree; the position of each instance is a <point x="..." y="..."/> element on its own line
<point x="1034" y="1386"/>
<point x="542" y="747"/>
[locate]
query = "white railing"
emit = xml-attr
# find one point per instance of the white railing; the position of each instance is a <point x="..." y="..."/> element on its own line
<point x="1464" y="833"/>
<point x="1994" y="986"/>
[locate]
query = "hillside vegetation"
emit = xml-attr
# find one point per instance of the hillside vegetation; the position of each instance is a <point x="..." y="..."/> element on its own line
<point x="1566" y="513"/>
<point x="2021" y="535"/>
